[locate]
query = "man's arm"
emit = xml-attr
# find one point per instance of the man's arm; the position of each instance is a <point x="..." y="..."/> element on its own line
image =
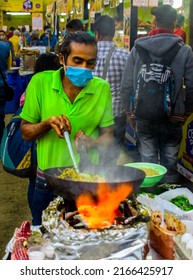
<point x="104" y="140"/>
<point x="105" y="136"/>
<point x="33" y="131"/>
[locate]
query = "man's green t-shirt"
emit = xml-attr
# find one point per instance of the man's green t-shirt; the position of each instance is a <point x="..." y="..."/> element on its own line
<point x="91" y="110"/>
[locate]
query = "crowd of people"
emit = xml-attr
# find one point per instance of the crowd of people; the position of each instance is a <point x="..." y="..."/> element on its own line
<point x="91" y="95"/>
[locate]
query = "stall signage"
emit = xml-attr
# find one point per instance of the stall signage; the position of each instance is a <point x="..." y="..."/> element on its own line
<point x="168" y="2"/>
<point x="185" y="156"/>
<point x="22" y="6"/>
<point x="153" y="3"/>
<point x="146" y="3"/>
<point x="37" y="21"/>
<point x="49" y="8"/>
<point x="61" y="7"/>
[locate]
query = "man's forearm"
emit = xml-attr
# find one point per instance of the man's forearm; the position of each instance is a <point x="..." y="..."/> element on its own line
<point x="32" y="131"/>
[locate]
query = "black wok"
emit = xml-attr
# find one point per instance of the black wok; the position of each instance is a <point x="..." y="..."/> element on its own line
<point x="70" y="190"/>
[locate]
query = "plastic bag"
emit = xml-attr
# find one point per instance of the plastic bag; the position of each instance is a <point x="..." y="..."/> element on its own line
<point x="168" y="195"/>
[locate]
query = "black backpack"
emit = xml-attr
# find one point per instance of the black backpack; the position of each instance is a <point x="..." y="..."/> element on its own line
<point x="17" y="155"/>
<point x="154" y="97"/>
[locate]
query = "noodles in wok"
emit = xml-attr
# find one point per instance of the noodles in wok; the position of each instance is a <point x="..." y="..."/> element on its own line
<point x="70" y="174"/>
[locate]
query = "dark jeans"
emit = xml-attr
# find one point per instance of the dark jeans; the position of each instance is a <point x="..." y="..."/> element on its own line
<point x="111" y="155"/>
<point x="42" y="196"/>
<point x="2" y="111"/>
<point x="31" y="189"/>
<point x="159" y="143"/>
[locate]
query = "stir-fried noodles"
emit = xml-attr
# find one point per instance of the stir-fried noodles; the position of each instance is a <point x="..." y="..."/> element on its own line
<point x="70" y="174"/>
<point x="149" y="171"/>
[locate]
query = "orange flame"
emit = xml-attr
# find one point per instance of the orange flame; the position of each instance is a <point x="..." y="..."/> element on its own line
<point x="101" y="214"/>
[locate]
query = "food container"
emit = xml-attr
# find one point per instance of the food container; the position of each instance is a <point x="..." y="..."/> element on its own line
<point x="157" y="172"/>
<point x="183" y="247"/>
<point x="28" y="57"/>
<point x="36" y="252"/>
<point x="162" y="241"/>
<point x="162" y="236"/>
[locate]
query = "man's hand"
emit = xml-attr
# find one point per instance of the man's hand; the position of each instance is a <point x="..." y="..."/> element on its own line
<point x="81" y="139"/>
<point x="60" y="124"/>
<point x="131" y="120"/>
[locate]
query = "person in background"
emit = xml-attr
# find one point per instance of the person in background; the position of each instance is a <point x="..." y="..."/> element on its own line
<point x="104" y="28"/>
<point x="33" y="39"/>
<point x="69" y="99"/>
<point x="47" y="26"/>
<point x="74" y="25"/>
<point x="71" y="26"/>
<point x="4" y="55"/>
<point x="179" y="27"/>
<point x="158" y="141"/>
<point x="161" y="20"/>
<point x="45" y="62"/>
<point x="87" y="29"/>
<point x="23" y="35"/>
<point x="49" y="40"/>
<point x="4" y="39"/>
<point x="10" y="34"/>
<point x="15" y="39"/>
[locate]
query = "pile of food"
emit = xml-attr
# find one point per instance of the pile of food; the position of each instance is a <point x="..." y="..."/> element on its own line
<point x="161" y="235"/>
<point x="150" y="171"/>
<point x="182" y="202"/>
<point x="166" y="233"/>
<point x="28" y="51"/>
<point x="71" y="174"/>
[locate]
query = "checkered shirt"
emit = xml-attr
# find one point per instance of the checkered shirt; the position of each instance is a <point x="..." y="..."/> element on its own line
<point x="114" y="72"/>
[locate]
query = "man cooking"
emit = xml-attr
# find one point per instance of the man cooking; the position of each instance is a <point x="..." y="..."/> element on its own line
<point x="69" y="99"/>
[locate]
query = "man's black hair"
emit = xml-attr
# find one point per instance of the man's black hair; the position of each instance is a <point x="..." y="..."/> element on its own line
<point x="75" y="25"/>
<point x="165" y="16"/>
<point x="105" y="26"/>
<point x="47" y="61"/>
<point x="81" y="37"/>
<point x="2" y="31"/>
<point x="12" y="28"/>
<point x="46" y="27"/>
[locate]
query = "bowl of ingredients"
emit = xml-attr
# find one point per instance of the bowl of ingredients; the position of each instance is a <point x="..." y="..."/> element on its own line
<point x="154" y="172"/>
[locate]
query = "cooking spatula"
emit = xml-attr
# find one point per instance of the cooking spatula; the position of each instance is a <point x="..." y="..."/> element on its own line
<point x="67" y="137"/>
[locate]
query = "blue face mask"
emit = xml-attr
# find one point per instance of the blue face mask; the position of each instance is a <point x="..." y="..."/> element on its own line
<point x="79" y="76"/>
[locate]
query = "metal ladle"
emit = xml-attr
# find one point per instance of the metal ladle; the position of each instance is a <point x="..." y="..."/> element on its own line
<point x="67" y="137"/>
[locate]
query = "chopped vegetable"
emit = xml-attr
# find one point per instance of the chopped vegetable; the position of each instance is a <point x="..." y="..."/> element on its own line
<point x="182" y="202"/>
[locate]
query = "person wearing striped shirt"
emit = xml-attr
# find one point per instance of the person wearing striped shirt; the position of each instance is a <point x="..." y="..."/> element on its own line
<point x="104" y="28"/>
